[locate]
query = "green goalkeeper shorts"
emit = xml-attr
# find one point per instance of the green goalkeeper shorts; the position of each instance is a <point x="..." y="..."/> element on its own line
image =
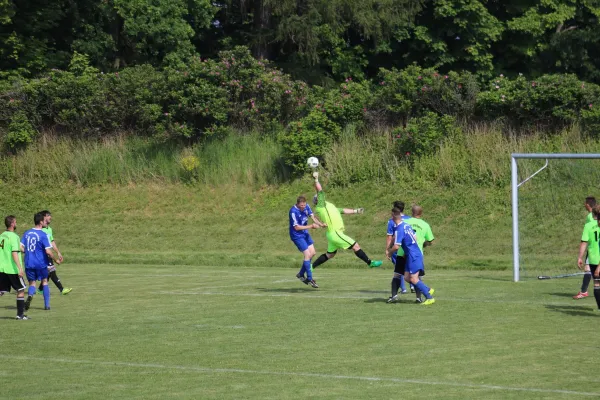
<point x="338" y="240"/>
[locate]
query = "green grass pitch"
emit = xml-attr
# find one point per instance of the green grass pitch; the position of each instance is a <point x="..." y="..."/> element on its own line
<point x="208" y="332"/>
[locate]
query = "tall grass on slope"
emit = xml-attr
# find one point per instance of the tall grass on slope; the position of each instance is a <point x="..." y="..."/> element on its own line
<point x="478" y="157"/>
<point x="247" y="160"/>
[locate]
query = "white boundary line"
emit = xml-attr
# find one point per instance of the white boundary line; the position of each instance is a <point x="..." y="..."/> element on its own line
<point x="299" y="374"/>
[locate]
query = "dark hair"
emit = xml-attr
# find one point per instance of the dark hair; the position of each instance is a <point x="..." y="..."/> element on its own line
<point x="45" y="213"/>
<point x="590" y="201"/>
<point x="596" y="210"/>
<point x="38" y="218"/>
<point x="9" y="220"/>
<point x="399" y="205"/>
<point x="396" y="211"/>
<point x="301" y="199"/>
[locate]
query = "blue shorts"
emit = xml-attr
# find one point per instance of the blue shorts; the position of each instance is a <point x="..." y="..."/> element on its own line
<point x="36" y="274"/>
<point x="393" y="258"/>
<point x="413" y="266"/>
<point x="302" y="243"/>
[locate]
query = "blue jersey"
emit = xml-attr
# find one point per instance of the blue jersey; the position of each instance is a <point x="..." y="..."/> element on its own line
<point x="299" y="218"/>
<point x="36" y="242"/>
<point x="406" y="238"/>
<point x="391" y="228"/>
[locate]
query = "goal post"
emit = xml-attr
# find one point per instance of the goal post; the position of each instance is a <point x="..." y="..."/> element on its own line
<point x="515" y="184"/>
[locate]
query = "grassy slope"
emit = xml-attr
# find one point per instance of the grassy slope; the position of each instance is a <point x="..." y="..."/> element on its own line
<point x="237" y="225"/>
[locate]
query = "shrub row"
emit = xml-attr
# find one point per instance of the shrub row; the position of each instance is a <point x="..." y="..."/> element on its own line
<point x="204" y="97"/>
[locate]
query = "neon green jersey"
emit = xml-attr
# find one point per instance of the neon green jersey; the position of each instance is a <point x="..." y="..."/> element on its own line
<point x="422" y="229"/>
<point x="329" y="214"/>
<point x="591" y="232"/>
<point x="48" y="231"/>
<point x="9" y="243"/>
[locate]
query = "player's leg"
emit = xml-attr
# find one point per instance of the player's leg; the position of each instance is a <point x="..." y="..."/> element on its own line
<point x="397" y="279"/>
<point x="413" y="270"/>
<point x="358" y="252"/>
<point x="19" y="285"/>
<point x="587" y="277"/>
<point x="331" y="251"/>
<point x="303" y="248"/>
<point x="45" y="287"/>
<point x="56" y="280"/>
<point x="596" y="270"/>
<point x="32" y="278"/>
<point x="417" y="291"/>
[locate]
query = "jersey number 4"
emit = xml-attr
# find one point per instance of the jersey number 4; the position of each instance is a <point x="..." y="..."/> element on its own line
<point x="2" y="244"/>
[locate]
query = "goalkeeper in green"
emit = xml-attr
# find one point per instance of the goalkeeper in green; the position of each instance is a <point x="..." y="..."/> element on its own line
<point x="336" y="238"/>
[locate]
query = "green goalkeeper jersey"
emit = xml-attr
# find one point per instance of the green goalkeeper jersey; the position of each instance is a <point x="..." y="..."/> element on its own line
<point x="329" y="214"/>
<point x="9" y="243"/>
<point x="48" y="231"/>
<point x="422" y="229"/>
<point x="591" y="232"/>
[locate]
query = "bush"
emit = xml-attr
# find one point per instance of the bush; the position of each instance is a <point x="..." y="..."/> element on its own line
<point x="550" y="101"/>
<point x="313" y="135"/>
<point x="424" y="135"/>
<point x="414" y="91"/>
<point x="20" y="132"/>
<point x="347" y="104"/>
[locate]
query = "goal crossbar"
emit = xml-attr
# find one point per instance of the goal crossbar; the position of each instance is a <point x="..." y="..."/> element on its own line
<point x="514" y="184"/>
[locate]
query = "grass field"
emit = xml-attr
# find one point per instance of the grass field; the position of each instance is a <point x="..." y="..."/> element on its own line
<point x="211" y="332"/>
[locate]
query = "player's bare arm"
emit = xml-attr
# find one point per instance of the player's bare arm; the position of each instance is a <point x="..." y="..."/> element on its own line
<point x="353" y="210"/>
<point x="55" y="247"/>
<point x="52" y="256"/>
<point x="307" y="227"/>
<point x="316" y="220"/>
<point x="17" y="260"/>
<point x="582" y="251"/>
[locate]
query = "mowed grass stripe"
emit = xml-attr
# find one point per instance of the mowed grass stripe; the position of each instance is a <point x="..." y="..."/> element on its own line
<point x="297" y="374"/>
<point x="515" y="338"/>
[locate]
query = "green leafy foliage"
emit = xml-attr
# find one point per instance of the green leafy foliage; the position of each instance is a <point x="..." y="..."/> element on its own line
<point x="424" y="135"/>
<point x="20" y="132"/>
<point x="313" y="135"/>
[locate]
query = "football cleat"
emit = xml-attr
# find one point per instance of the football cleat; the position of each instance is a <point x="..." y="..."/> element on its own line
<point x="40" y="291"/>
<point x="412" y="289"/>
<point x="580" y="295"/>
<point x="312" y="283"/>
<point x="47" y="308"/>
<point x="418" y="300"/>
<point x="392" y="299"/>
<point x="375" y="264"/>
<point x="66" y="290"/>
<point x="403" y="292"/>
<point x="22" y="318"/>
<point x="428" y="302"/>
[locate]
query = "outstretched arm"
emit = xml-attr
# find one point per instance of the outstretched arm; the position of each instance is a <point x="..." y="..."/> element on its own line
<point x="353" y="210"/>
<point x="318" y="186"/>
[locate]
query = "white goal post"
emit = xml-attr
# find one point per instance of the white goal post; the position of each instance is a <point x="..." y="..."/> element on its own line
<point x="514" y="184"/>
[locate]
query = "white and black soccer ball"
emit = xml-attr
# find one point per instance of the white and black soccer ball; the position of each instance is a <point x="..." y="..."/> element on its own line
<point x="313" y="162"/>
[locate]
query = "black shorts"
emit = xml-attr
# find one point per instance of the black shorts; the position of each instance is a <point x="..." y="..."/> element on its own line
<point x="11" y="280"/>
<point x="400" y="265"/>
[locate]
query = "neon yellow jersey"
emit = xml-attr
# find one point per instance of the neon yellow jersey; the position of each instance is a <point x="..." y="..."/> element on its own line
<point x="48" y="231"/>
<point x="329" y="214"/>
<point x="422" y="229"/>
<point x="9" y="243"/>
<point x="591" y="232"/>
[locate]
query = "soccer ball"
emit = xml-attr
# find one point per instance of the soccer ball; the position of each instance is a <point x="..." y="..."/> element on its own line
<point x="313" y="162"/>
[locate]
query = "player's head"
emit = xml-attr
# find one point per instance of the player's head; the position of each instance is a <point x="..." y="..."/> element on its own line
<point x="11" y="222"/>
<point x="596" y="211"/>
<point x="590" y="202"/>
<point x="47" y="216"/>
<point x="39" y="220"/>
<point x="315" y="199"/>
<point x="396" y="213"/>
<point x="399" y="205"/>
<point x="417" y="211"/>
<point x="301" y="203"/>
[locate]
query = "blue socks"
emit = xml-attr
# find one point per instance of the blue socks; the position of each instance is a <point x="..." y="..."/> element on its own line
<point x="46" y="290"/>
<point x="31" y="291"/>
<point x="402" y="284"/>
<point x="306" y="267"/>
<point x="420" y="286"/>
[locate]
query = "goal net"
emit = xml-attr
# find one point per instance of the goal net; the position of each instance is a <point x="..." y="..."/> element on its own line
<point x="548" y="197"/>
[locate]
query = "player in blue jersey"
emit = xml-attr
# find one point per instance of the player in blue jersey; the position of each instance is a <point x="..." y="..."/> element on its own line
<point x="52" y="268"/>
<point x="299" y="214"/>
<point x="38" y="253"/>
<point x="397" y="258"/>
<point x="405" y="237"/>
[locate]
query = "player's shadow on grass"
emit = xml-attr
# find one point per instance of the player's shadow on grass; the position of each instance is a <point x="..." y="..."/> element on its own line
<point x="561" y="294"/>
<point x="574" y="310"/>
<point x="10" y="307"/>
<point x="288" y="290"/>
